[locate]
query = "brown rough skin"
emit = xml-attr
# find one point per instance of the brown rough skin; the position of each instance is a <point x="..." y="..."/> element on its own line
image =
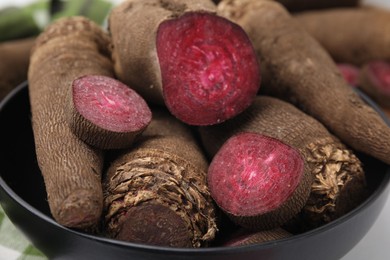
<point x="14" y="61"/>
<point x="67" y="49"/>
<point x="373" y="80"/>
<point x="156" y="192"/>
<point x="339" y="181"/>
<point x="303" y="5"/>
<point x="350" y="35"/>
<point x="245" y="237"/>
<point x="308" y="78"/>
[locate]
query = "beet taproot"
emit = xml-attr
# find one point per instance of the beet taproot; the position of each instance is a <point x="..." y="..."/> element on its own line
<point x="296" y="68"/>
<point x="106" y="113"/>
<point x="179" y="53"/>
<point x="335" y="178"/>
<point x="15" y="57"/>
<point x="67" y="49"/>
<point x="156" y="192"/>
<point x="350" y="35"/>
<point x="387" y="112"/>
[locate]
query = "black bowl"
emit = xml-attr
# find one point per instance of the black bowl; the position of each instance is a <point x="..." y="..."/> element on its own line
<point x="23" y="198"/>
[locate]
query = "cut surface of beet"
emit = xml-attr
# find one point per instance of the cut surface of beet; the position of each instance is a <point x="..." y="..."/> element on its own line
<point x="350" y="73"/>
<point x="248" y="237"/>
<point x="110" y="104"/>
<point x="253" y="174"/>
<point x="209" y="69"/>
<point x="379" y="73"/>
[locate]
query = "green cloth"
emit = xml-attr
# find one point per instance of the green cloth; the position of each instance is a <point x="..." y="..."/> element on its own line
<point x="13" y="244"/>
<point x="30" y="20"/>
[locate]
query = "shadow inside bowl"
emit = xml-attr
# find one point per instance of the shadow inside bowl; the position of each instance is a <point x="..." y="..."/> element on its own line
<point x="23" y="197"/>
<point x="19" y="164"/>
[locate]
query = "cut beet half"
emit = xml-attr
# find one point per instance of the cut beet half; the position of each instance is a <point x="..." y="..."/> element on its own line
<point x="254" y="179"/>
<point x="106" y="113"/>
<point x="350" y="73"/>
<point x="209" y="68"/>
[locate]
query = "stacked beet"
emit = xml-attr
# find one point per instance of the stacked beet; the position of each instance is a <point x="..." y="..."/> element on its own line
<point x="157" y="131"/>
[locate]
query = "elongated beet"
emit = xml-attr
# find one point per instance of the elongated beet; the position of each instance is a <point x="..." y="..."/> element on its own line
<point x="374" y="80"/>
<point x="15" y="57"/>
<point x="156" y="193"/>
<point x="65" y="51"/>
<point x="339" y="181"/>
<point x="304" y="5"/>
<point x="179" y="53"/>
<point x="344" y="33"/>
<point x="308" y="78"/>
<point x="243" y="238"/>
<point x="105" y="113"/>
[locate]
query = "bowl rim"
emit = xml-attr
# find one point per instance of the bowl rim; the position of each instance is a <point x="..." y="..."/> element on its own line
<point x="206" y="250"/>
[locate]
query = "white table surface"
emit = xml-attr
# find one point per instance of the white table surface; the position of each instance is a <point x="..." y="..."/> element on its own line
<point x="376" y="244"/>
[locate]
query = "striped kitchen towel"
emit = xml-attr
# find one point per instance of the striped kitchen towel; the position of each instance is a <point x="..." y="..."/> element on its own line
<point x="13" y="244"/>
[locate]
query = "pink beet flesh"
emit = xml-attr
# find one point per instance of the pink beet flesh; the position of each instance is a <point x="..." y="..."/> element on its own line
<point x="208" y="66"/>
<point x="110" y="104"/>
<point x="379" y="73"/>
<point x="254" y="174"/>
<point x="350" y="73"/>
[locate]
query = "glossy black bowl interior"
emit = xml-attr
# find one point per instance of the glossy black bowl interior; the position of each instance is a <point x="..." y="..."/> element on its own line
<point x="23" y="197"/>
